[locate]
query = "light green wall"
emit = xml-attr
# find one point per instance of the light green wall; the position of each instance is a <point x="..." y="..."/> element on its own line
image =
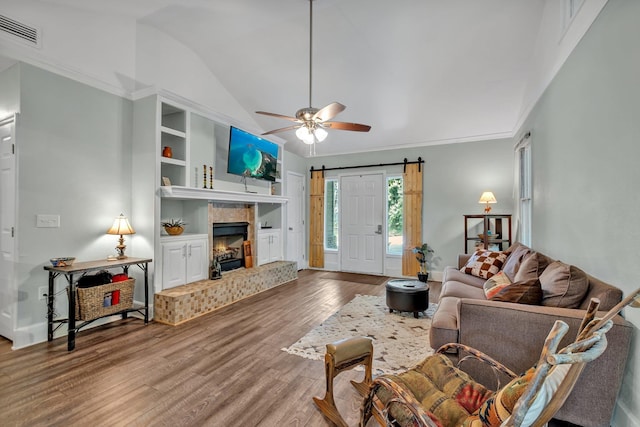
<point x="455" y="176"/>
<point x="586" y="146"/>
<point x="10" y="91"/>
<point x="74" y="160"/>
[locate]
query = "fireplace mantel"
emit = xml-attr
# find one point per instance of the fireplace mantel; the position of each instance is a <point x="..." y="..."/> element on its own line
<point x="190" y="193"/>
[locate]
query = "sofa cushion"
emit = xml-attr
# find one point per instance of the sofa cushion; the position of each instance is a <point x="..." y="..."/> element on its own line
<point x="563" y="285"/>
<point x="496" y="284"/>
<point x="461" y="290"/>
<point x="454" y="274"/>
<point x="526" y="292"/>
<point x="532" y="267"/>
<point x="484" y="264"/>
<point x="517" y="253"/>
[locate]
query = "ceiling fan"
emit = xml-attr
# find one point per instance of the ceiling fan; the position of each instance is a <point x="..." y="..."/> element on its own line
<point x="312" y="122"/>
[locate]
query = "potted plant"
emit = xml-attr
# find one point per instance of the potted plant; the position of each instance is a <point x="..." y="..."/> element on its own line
<point x="174" y="227"/>
<point x="423" y="255"/>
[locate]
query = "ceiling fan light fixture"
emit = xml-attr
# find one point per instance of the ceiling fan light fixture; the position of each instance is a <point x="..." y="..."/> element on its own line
<point x="305" y="135"/>
<point x="321" y="134"/>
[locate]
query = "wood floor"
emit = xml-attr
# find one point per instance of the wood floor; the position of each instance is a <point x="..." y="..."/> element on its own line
<point x="221" y="369"/>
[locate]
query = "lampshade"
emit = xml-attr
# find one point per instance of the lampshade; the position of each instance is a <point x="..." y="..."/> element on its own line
<point x="310" y="136"/>
<point x="121" y="226"/>
<point x="487" y="197"/>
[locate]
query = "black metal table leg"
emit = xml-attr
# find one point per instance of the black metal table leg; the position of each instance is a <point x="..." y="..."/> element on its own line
<point x="52" y="277"/>
<point x="145" y="268"/>
<point x="71" y="335"/>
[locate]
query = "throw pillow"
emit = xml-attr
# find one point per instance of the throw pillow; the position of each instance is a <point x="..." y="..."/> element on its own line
<point x="532" y="266"/>
<point x="517" y="254"/>
<point x="527" y="292"/>
<point x="495" y="284"/>
<point x="563" y="285"/>
<point x="484" y="264"/>
<point x="498" y="408"/>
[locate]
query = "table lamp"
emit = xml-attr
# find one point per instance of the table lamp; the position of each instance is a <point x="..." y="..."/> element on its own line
<point x="487" y="197"/>
<point x="120" y="227"/>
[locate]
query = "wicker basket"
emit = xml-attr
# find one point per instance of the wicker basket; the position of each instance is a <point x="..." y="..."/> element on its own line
<point x="90" y="301"/>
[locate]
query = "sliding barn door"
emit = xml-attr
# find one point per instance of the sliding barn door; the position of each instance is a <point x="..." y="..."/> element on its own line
<point x="412" y="214"/>
<point x="316" y="220"/>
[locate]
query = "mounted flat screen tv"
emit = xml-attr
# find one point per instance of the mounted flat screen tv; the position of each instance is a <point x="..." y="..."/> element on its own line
<point x="252" y="156"/>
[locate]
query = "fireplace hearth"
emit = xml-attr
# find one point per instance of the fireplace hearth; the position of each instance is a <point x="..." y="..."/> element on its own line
<point x="228" y="238"/>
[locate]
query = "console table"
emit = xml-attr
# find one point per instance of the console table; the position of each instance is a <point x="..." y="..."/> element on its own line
<point x="82" y="268"/>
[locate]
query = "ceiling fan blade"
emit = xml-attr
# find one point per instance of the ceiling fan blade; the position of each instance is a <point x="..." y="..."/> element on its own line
<point x="280" y="116"/>
<point x="328" y="112"/>
<point x="281" y="129"/>
<point x="347" y="126"/>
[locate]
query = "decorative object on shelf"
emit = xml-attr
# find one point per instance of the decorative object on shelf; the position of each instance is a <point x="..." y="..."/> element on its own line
<point x="424" y="254"/>
<point x="215" y="271"/>
<point x="121" y="227"/>
<point x="65" y="261"/>
<point x="166" y="181"/>
<point x="204" y="176"/>
<point x="174" y="227"/>
<point x="210" y="177"/>
<point x="487" y="197"/>
<point x="273" y="189"/>
<point x="167" y="152"/>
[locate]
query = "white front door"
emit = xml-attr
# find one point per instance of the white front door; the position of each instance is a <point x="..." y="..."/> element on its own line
<point x="362" y="219"/>
<point x="7" y="226"/>
<point x="295" y="219"/>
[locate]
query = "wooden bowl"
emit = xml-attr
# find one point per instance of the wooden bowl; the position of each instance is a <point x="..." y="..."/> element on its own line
<point x="174" y="231"/>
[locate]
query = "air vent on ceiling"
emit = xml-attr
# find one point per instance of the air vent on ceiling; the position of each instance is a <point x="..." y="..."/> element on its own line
<point x="19" y="31"/>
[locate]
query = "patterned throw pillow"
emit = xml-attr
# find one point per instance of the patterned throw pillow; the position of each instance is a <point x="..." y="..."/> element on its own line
<point x="484" y="264"/>
<point x="496" y="284"/>
<point x="498" y="408"/>
<point x="525" y="292"/>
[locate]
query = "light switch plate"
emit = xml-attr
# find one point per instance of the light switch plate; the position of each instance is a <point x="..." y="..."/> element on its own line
<point x="47" y="221"/>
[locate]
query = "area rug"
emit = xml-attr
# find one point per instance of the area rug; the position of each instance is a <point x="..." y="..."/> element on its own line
<point x="400" y="341"/>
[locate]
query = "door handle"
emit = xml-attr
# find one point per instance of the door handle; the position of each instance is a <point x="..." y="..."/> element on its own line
<point x="379" y="230"/>
<point x="290" y="228"/>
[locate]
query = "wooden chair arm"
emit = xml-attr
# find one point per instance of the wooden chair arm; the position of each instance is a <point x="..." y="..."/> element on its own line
<point x="400" y="396"/>
<point x="483" y="357"/>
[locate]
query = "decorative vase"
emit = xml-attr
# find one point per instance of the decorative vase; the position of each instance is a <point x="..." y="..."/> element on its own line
<point x="167" y="152"/>
<point x="174" y="231"/>
<point x="423" y="277"/>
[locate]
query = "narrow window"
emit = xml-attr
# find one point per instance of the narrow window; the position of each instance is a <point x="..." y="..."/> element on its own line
<point x="331" y="214"/>
<point x="394" y="215"/>
<point x="524" y="192"/>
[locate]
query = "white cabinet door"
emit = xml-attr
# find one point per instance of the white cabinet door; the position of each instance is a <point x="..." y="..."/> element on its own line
<point x="197" y="268"/>
<point x="275" y="248"/>
<point x="269" y="246"/>
<point x="264" y="240"/>
<point x="174" y="264"/>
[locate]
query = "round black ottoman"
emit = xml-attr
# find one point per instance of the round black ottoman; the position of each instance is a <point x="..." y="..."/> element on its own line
<point x="407" y="295"/>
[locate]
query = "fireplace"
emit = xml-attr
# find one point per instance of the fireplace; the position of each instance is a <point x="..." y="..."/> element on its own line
<point x="227" y="244"/>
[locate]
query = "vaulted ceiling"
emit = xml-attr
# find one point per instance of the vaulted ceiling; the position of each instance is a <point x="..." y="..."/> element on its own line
<point x="419" y="72"/>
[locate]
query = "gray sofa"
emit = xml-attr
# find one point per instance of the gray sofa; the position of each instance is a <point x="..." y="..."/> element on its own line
<point x="514" y="333"/>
